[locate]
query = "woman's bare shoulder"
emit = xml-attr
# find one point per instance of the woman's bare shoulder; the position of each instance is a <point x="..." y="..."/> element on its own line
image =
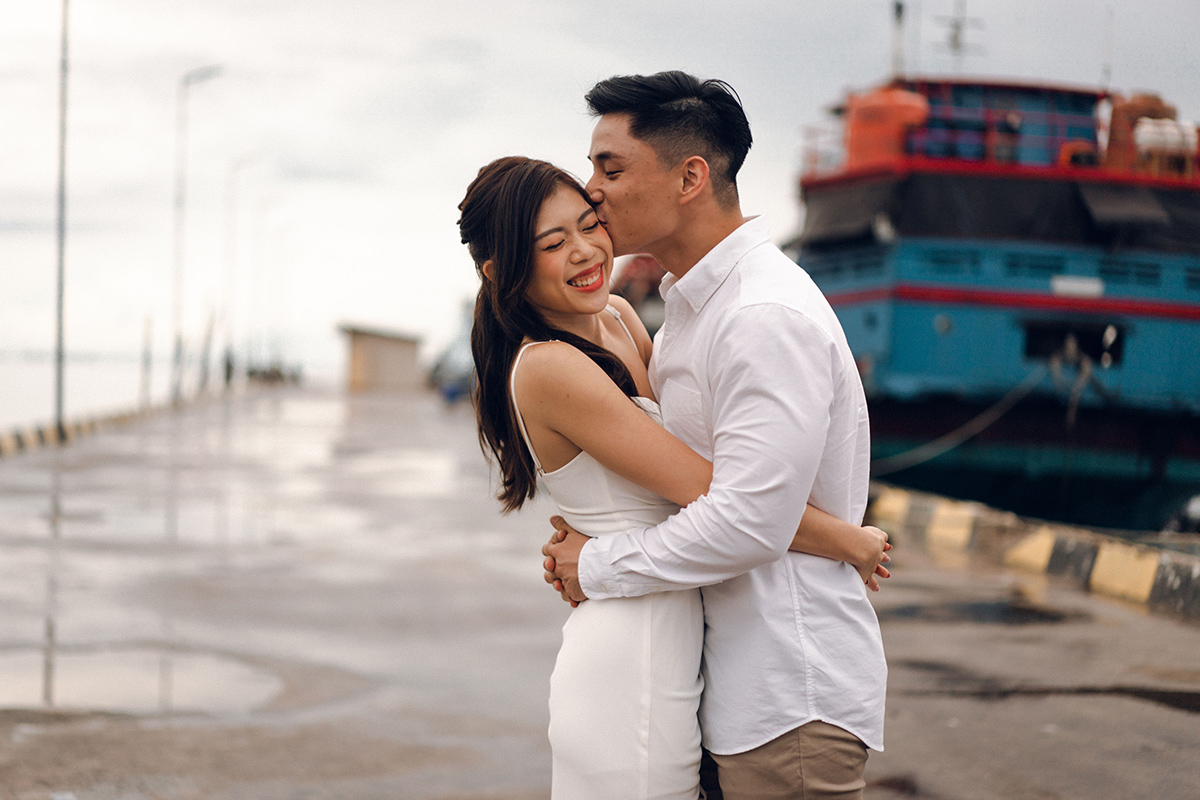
<point x="620" y="304"/>
<point x="552" y="364"/>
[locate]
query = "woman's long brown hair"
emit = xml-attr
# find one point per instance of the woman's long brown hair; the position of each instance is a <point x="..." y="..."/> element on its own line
<point x="498" y="221"/>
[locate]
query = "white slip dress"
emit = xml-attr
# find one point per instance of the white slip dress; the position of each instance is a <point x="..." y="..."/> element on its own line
<point x="626" y="686"/>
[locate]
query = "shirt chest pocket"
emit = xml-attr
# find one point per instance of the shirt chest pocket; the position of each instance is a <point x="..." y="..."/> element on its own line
<point x="683" y="415"/>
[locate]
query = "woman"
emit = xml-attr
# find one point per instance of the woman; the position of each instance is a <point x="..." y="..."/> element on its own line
<point x="563" y="394"/>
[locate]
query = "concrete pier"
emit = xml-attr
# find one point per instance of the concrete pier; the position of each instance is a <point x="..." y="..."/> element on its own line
<point x="302" y="594"/>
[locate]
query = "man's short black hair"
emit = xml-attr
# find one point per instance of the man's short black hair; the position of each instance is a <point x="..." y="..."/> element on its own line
<point x="679" y="116"/>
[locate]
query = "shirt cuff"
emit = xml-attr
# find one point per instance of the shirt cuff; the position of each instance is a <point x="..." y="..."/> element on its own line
<point x="595" y="569"/>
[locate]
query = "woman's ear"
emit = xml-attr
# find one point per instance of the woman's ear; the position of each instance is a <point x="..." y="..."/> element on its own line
<point x="486" y="269"/>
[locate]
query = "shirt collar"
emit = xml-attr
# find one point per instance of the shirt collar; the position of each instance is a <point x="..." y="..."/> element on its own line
<point x="700" y="282"/>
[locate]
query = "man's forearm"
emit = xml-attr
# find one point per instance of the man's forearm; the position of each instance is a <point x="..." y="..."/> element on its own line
<point x="697" y="547"/>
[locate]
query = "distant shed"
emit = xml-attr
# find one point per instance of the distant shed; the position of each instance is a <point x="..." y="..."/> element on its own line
<point x="381" y="359"/>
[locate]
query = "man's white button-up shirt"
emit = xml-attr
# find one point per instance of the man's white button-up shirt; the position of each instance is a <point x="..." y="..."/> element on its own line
<point x="752" y="370"/>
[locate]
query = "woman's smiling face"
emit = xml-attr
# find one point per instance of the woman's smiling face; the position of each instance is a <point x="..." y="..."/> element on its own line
<point x="572" y="258"/>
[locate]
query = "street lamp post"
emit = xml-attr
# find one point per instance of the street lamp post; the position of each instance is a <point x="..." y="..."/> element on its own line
<point x="59" y="344"/>
<point x="189" y="78"/>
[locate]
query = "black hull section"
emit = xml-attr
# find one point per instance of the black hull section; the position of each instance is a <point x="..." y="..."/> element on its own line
<point x="1005" y="207"/>
<point x="1114" y="468"/>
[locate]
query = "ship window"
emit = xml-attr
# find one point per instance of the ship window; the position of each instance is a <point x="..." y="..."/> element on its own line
<point x="1082" y="104"/>
<point x="952" y="262"/>
<point x="824" y="266"/>
<point x="1120" y="271"/>
<point x="1103" y="343"/>
<point x="837" y="265"/>
<point x="968" y="96"/>
<point x="867" y="264"/>
<point x="1192" y="278"/>
<point x="1023" y="265"/>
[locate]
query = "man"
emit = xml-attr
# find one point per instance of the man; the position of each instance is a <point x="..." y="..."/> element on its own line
<point x="752" y="370"/>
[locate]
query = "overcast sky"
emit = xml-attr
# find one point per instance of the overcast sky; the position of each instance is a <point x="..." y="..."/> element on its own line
<point x="349" y="130"/>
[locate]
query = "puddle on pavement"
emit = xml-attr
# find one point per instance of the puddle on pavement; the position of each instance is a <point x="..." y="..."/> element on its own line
<point x="903" y="785"/>
<point x="140" y="680"/>
<point x="955" y="681"/>
<point x="1178" y="700"/>
<point x="1002" y="612"/>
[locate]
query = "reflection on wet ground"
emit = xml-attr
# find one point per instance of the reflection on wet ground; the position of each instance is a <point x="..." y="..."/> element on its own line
<point x="288" y="591"/>
<point x="300" y="594"/>
<point x="134" y="680"/>
<point x="91" y="656"/>
<point x="90" y="531"/>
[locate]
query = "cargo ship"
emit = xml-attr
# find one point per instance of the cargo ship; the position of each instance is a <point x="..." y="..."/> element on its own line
<point x="1017" y="269"/>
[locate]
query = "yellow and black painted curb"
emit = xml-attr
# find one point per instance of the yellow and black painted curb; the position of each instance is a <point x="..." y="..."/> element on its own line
<point x="34" y="438"/>
<point x="1161" y="580"/>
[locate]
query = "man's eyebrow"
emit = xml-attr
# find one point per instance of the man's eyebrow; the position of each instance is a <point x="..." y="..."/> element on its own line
<point x="582" y="217"/>
<point x="604" y="156"/>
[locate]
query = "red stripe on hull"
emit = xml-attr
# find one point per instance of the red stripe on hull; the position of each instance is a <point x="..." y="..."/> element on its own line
<point x="948" y="295"/>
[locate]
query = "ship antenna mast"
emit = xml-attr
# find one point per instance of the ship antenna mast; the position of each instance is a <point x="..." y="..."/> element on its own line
<point x="898" y="40"/>
<point x="956" y="33"/>
<point x="1106" y="68"/>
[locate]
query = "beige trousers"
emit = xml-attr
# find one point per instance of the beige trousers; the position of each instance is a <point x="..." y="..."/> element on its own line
<point x="812" y="762"/>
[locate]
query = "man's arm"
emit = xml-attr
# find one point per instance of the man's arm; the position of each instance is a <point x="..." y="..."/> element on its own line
<point x="819" y="534"/>
<point x="772" y="371"/>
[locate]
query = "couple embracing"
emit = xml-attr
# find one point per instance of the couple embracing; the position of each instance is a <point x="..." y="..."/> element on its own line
<point x="710" y="483"/>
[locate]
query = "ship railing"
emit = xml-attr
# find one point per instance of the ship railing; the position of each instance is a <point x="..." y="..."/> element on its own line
<point x="996" y="136"/>
<point x="1033" y="138"/>
<point x="970" y="134"/>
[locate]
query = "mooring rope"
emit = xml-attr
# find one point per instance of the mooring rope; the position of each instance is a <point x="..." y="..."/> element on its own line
<point x="946" y="443"/>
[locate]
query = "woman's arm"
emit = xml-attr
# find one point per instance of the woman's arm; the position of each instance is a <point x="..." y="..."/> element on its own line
<point x="564" y="395"/>
<point x="864" y="548"/>
<point x="563" y="390"/>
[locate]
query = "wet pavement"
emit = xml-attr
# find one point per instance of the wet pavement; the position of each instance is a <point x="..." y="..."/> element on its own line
<point x="295" y="594"/>
<point x="1005" y="685"/>
<point x="281" y="595"/>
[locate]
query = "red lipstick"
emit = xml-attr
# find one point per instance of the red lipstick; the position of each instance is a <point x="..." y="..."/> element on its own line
<point x="593" y="286"/>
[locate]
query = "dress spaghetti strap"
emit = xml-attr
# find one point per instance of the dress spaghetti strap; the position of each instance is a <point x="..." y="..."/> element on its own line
<point x="617" y="314"/>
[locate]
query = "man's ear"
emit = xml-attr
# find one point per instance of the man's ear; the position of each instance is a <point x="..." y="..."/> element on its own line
<point x="486" y="269"/>
<point x="693" y="178"/>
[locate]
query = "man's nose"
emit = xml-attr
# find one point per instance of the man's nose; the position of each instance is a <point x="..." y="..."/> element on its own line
<point x="594" y="194"/>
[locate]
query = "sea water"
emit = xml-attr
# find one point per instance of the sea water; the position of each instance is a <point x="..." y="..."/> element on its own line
<point x="91" y="388"/>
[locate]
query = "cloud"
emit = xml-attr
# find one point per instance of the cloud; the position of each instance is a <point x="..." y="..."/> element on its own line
<point x="368" y="118"/>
